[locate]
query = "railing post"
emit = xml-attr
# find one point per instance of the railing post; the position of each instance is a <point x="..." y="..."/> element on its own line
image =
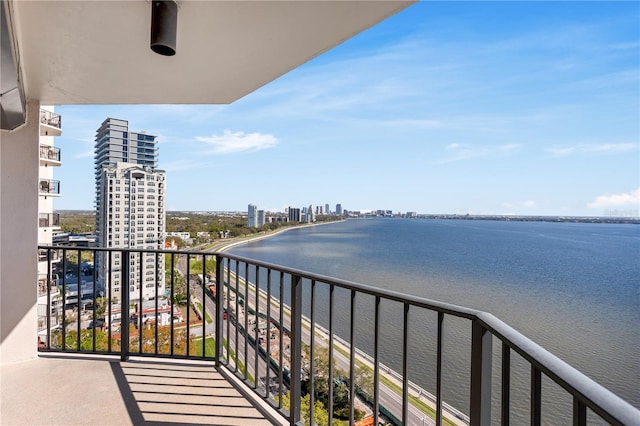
<point x="124" y="307"/>
<point x="296" y="348"/>
<point x="480" y="404"/>
<point x="219" y="308"/>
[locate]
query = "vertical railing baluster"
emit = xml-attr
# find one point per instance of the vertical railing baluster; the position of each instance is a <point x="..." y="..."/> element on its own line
<point x="405" y="366"/>
<point x="156" y="280"/>
<point x="330" y="397"/>
<point x="140" y="298"/>
<point x="439" y="370"/>
<point x="109" y="300"/>
<point x="188" y="302"/>
<point x="219" y="308"/>
<point x="376" y="362"/>
<point x="95" y="300"/>
<point x="64" y="299"/>
<point x="536" y="396"/>
<point x="256" y="327"/>
<point x="480" y="399"/>
<point x="124" y="308"/>
<point x="281" y="345"/>
<point x="78" y="304"/>
<point x="267" y="375"/>
<point x="579" y="412"/>
<point x="204" y="305"/>
<point x="228" y="287"/>
<point x="506" y="384"/>
<point x="296" y="348"/>
<point x="246" y="321"/>
<point x="352" y="359"/>
<point x="172" y="302"/>
<point x="312" y="340"/>
<point x="237" y="341"/>
<point x="49" y="256"/>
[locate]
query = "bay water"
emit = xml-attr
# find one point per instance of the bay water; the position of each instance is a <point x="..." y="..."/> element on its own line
<point x="573" y="288"/>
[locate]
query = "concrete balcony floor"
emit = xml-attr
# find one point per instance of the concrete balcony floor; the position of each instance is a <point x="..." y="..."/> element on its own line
<point x="63" y="390"/>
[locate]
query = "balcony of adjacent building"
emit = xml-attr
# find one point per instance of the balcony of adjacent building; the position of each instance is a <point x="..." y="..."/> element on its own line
<point x="49" y="220"/>
<point x="225" y="339"/>
<point x="49" y="156"/>
<point x="50" y="123"/>
<point x="49" y="188"/>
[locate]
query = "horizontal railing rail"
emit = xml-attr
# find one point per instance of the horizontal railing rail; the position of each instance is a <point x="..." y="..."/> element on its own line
<point x="277" y="329"/>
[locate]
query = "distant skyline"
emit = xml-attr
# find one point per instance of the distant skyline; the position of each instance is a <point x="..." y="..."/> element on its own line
<point x="526" y="108"/>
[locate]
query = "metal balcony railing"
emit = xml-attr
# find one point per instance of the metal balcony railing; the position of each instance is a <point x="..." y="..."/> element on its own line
<point x="50" y="118"/>
<point x="47" y="220"/>
<point x="288" y="333"/>
<point x="48" y="186"/>
<point x="49" y="153"/>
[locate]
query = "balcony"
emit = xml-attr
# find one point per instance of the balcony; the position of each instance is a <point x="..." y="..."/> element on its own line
<point x="50" y="123"/>
<point x="48" y="187"/>
<point x="49" y="155"/>
<point x="286" y="334"/>
<point x="49" y="220"/>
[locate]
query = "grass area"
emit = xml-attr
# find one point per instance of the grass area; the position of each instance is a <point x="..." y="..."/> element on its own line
<point x="206" y="314"/>
<point x="209" y="343"/>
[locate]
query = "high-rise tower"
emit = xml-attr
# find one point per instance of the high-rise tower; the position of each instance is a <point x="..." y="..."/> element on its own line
<point x="130" y="209"/>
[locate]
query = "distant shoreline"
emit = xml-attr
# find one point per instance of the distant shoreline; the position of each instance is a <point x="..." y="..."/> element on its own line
<point x="223" y="247"/>
<point x="512" y="218"/>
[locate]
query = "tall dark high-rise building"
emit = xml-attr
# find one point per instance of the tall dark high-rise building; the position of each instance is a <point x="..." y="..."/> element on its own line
<point x="130" y="207"/>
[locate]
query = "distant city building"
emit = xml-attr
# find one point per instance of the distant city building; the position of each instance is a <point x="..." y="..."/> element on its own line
<point x="252" y="216"/>
<point x="310" y="217"/>
<point x="130" y="211"/>
<point x="339" y="211"/>
<point x="294" y="214"/>
<point x="326" y="209"/>
<point x="412" y="215"/>
<point x="261" y="218"/>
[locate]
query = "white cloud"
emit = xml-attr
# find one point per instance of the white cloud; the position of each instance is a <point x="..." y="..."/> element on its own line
<point x="231" y="142"/>
<point x="614" y="200"/>
<point x="561" y="151"/>
<point x="606" y="148"/>
<point x="177" y="165"/>
<point x="458" y="152"/>
<point x="611" y="147"/>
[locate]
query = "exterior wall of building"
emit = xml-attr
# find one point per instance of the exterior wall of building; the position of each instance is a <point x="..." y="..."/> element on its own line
<point x="261" y="218"/>
<point x="252" y="216"/>
<point x="130" y="210"/>
<point x="132" y="216"/>
<point x="19" y="158"/>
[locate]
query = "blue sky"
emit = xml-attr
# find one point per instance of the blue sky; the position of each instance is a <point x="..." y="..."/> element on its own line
<point x="447" y="107"/>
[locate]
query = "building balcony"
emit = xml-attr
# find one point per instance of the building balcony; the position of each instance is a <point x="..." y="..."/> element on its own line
<point x="49" y="220"/>
<point x="49" y="155"/>
<point x="48" y="187"/>
<point x="281" y="334"/>
<point x="50" y="123"/>
<point x="102" y="390"/>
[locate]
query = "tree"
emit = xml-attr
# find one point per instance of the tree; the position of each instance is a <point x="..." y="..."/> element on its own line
<point x="364" y="379"/>
<point x="320" y="414"/>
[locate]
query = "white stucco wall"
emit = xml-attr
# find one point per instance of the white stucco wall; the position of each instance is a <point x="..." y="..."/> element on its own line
<point x="19" y="164"/>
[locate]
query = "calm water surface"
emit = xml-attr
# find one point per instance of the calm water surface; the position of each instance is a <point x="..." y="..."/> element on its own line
<point x="573" y="288"/>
